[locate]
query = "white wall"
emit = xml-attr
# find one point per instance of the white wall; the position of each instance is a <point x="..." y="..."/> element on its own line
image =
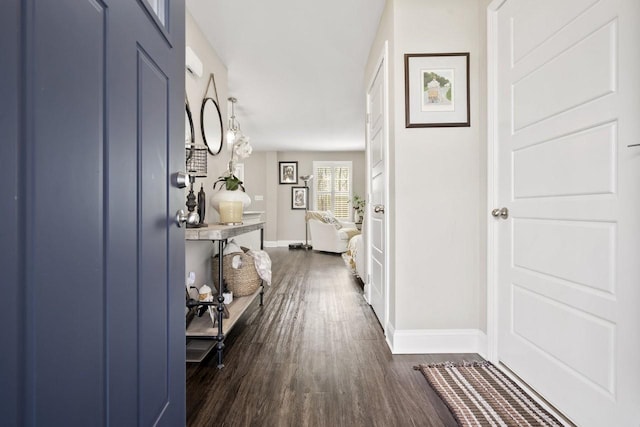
<point x="438" y="176"/>
<point x="290" y="223"/>
<point x="271" y="231"/>
<point x="198" y="254"/>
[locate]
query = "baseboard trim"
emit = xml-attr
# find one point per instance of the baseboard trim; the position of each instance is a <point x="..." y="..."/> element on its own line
<point x="424" y="341"/>
<point x="483" y="345"/>
<point x="365" y="293"/>
<point x="390" y="333"/>
<point x="280" y="243"/>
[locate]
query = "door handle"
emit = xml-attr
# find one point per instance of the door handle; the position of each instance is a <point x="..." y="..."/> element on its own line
<point x="180" y="179"/>
<point x="500" y="212"/>
<point x="378" y="208"/>
<point x="184" y="218"/>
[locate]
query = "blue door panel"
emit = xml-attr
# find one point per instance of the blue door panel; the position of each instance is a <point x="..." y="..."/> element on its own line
<point x="92" y="267"/>
<point x="152" y="290"/>
<point x="11" y="289"/>
<point x="65" y="233"/>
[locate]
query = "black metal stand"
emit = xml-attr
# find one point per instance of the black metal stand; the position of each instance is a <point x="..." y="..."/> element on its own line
<point x="191" y="197"/>
<point x="220" y="337"/>
<point x="306" y="245"/>
<point x="261" y="248"/>
<point x="192" y="204"/>
<point x="203" y="305"/>
<point x="218" y="304"/>
<point x="221" y="307"/>
<point x="202" y="206"/>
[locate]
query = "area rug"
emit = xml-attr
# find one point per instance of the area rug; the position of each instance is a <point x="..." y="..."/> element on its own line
<point x="479" y="394"/>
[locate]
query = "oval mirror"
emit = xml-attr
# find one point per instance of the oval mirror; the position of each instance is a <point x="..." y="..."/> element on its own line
<point x="188" y="125"/>
<point x="211" y="125"/>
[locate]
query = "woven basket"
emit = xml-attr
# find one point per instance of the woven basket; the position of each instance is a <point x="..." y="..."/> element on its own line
<point x="242" y="281"/>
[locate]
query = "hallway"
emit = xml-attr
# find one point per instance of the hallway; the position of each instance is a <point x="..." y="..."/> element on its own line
<point x="313" y="355"/>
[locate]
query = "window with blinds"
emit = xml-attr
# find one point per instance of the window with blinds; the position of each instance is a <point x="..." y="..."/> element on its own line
<point x="332" y="188"/>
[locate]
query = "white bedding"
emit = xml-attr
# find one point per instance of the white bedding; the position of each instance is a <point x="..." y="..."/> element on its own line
<point x="356" y="254"/>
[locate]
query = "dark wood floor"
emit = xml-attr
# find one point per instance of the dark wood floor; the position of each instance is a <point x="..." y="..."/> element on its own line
<point x="313" y="355"/>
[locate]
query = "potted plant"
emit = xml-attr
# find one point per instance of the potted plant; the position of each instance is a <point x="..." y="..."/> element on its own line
<point x="232" y="190"/>
<point x="231" y="182"/>
<point x="358" y="204"/>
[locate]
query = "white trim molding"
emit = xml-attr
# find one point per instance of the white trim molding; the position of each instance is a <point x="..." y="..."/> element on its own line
<point x="425" y="341"/>
<point x="382" y="65"/>
<point x="367" y="292"/>
<point x="389" y="334"/>
<point x="492" y="179"/>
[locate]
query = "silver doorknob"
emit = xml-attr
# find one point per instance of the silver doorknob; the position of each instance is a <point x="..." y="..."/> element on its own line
<point x="378" y="208"/>
<point x="190" y="218"/>
<point x="500" y="212"/>
<point x="180" y="179"/>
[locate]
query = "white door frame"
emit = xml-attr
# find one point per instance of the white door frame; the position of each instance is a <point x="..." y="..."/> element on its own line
<point x="492" y="179"/>
<point x="381" y="64"/>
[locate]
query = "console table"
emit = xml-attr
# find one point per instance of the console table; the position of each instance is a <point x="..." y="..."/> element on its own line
<point x="202" y="336"/>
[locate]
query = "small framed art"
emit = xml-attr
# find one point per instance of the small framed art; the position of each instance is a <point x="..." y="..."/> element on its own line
<point x="436" y="89"/>
<point x="299" y="197"/>
<point x="288" y="172"/>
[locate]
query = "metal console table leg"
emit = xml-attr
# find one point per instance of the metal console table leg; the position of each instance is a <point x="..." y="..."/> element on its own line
<point x="220" y="308"/>
<point x="261" y="248"/>
<point x="220" y="234"/>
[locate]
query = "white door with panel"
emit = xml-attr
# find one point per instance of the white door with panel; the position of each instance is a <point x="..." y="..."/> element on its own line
<point x="568" y="254"/>
<point x="376" y="149"/>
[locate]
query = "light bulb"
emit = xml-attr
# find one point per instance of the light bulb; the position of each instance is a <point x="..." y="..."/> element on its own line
<point x="231" y="136"/>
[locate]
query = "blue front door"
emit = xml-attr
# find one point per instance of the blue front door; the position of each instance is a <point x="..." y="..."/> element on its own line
<point x="92" y="266"/>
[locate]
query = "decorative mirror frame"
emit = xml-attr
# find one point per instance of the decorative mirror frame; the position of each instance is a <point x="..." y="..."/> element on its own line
<point x="190" y="118"/>
<point x="213" y="149"/>
<point x="191" y="143"/>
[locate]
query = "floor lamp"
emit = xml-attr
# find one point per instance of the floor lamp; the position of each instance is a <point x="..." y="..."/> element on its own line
<point x="306" y="246"/>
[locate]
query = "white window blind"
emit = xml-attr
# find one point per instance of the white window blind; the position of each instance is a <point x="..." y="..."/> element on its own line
<point x="332" y="188"/>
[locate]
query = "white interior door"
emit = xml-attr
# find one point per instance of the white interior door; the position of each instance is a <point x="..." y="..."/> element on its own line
<point x="568" y="255"/>
<point x="376" y="149"/>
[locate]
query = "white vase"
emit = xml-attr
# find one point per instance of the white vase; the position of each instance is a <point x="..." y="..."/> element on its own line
<point x="229" y="196"/>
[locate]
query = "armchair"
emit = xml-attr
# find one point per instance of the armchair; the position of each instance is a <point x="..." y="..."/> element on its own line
<point x="325" y="236"/>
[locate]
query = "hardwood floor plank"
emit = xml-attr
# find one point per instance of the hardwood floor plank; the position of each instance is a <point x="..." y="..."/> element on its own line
<point x="313" y="355"/>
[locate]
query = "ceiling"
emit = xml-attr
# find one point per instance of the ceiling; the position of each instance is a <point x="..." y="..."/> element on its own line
<point x="295" y="66"/>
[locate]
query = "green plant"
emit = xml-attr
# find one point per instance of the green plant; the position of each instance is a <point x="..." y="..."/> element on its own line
<point x="358" y="204"/>
<point x="231" y="182"/>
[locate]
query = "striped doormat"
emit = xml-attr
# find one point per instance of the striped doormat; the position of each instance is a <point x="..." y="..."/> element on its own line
<point x="478" y="394"/>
